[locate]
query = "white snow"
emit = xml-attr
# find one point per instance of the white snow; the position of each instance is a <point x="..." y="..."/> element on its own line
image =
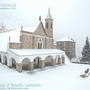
<point x="4" y="39"/>
<point x="31" y="29"/>
<point x="66" y="39"/>
<point x="59" y="77"/>
<point x="36" y="51"/>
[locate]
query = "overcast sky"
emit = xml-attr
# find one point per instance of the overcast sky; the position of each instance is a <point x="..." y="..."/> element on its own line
<point x="71" y="17"/>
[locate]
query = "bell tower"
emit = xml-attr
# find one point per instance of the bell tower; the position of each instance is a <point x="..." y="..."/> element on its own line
<point x="49" y="24"/>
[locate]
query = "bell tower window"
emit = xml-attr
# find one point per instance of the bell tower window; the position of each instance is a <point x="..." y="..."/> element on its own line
<point x="47" y="25"/>
<point x="51" y="25"/>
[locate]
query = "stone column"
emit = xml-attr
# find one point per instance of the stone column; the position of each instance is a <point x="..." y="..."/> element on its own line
<point x="59" y="61"/>
<point x="52" y="62"/>
<point x="63" y="59"/>
<point x="19" y="67"/>
<point x="10" y="66"/>
<point x="30" y="65"/>
<point x="41" y="63"/>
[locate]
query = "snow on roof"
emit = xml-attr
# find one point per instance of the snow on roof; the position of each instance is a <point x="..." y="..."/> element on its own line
<point x="66" y="39"/>
<point x="31" y="29"/>
<point x="35" y="51"/>
<point x="4" y="38"/>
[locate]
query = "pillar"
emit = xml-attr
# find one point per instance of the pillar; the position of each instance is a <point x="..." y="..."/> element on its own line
<point x="19" y="67"/>
<point x="41" y="63"/>
<point x="30" y="65"/>
<point x="63" y="59"/>
<point x="59" y="61"/>
<point x="52" y="62"/>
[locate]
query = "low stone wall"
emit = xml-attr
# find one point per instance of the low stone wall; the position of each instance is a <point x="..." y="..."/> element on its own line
<point x="14" y="45"/>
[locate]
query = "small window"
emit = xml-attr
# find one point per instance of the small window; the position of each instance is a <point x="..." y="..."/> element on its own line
<point x="47" y="25"/>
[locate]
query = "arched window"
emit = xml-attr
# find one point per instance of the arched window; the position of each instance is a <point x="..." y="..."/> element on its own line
<point x="47" y="25"/>
<point x="40" y="43"/>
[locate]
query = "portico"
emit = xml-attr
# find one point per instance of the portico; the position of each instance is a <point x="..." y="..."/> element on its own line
<point x="31" y="54"/>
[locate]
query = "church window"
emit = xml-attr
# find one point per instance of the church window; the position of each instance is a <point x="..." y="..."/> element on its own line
<point x="47" y="25"/>
<point x="40" y="44"/>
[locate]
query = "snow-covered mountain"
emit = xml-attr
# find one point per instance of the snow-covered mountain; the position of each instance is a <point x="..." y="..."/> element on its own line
<point x="12" y="21"/>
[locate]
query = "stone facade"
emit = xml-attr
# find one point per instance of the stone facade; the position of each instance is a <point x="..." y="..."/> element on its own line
<point x="52" y="62"/>
<point x="59" y="61"/>
<point x="27" y="42"/>
<point x="14" y="45"/>
<point x="19" y="67"/>
<point x="63" y="59"/>
<point x="49" y="27"/>
<point x="30" y="65"/>
<point x="41" y="63"/>
<point x="68" y="47"/>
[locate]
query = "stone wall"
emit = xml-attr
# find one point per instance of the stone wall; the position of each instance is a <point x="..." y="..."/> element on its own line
<point x="30" y="65"/>
<point x="27" y="42"/>
<point x="59" y="61"/>
<point x="41" y="63"/>
<point x="53" y="62"/>
<point x="40" y="30"/>
<point x="49" y="43"/>
<point x="49" y="30"/>
<point x="19" y="67"/>
<point x="14" y="45"/>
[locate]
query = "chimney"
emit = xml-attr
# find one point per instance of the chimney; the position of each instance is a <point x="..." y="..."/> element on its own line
<point x="39" y="18"/>
<point x="21" y="28"/>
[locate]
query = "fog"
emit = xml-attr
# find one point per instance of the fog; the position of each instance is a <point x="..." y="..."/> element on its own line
<point x="71" y="17"/>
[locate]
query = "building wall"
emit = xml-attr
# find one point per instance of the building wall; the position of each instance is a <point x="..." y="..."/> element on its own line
<point x="14" y="45"/>
<point x="68" y="47"/>
<point x="49" y="30"/>
<point x="27" y="42"/>
<point x="30" y="40"/>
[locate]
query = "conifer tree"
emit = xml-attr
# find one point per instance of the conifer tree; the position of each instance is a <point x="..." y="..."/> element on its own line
<point x="85" y="51"/>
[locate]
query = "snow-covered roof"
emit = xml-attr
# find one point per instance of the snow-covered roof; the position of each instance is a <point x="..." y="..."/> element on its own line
<point x="31" y="29"/>
<point x="65" y="39"/>
<point x="14" y="37"/>
<point x="35" y="51"/>
<point x="4" y="38"/>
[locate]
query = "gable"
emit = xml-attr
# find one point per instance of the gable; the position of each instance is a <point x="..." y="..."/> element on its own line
<point x="40" y="30"/>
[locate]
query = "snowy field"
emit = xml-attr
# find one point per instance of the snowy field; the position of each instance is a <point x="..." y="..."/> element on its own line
<point x="59" y="77"/>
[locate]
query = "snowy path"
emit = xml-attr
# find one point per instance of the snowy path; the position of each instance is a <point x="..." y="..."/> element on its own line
<point x="63" y="77"/>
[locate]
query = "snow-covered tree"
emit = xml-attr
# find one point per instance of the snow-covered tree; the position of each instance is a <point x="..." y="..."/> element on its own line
<point x="86" y="51"/>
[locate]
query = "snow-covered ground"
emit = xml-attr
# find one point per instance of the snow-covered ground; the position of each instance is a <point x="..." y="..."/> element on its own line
<point x="59" y="77"/>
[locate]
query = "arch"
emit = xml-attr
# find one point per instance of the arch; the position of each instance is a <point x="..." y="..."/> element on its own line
<point x="12" y="62"/>
<point x="40" y="43"/>
<point x="56" y="59"/>
<point x="5" y="60"/>
<point x="48" y="60"/>
<point x="37" y="62"/>
<point x="25" y="63"/>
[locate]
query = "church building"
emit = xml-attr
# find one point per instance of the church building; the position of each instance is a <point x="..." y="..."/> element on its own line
<point x="30" y="48"/>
